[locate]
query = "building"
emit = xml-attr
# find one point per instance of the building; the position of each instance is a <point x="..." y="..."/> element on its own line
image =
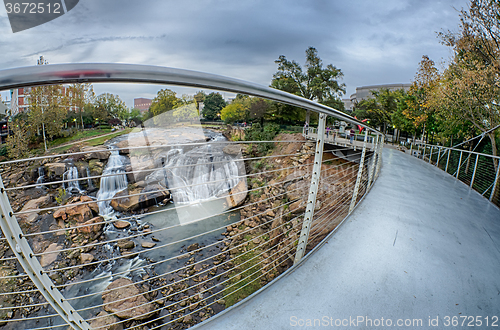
<point x="19" y="100"/>
<point x="365" y="92"/>
<point x="142" y="104"/>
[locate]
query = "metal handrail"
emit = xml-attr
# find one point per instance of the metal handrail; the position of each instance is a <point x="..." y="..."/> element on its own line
<point x="490" y="180"/>
<point x="112" y="72"/>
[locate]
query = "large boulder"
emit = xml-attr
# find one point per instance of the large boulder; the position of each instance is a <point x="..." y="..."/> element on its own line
<point x="93" y="205"/>
<point x="123" y="146"/>
<point x="106" y="321"/>
<point x="232" y="149"/>
<point x="96" y="153"/>
<point x="32" y="205"/>
<point x="51" y="256"/>
<point x="55" y="169"/>
<point x="77" y="211"/>
<point x="96" y="167"/>
<point x="237" y="195"/>
<point x="93" y="225"/>
<point x="123" y="202"/>
<point x="153" y="195"/>
<point x="123" y="299"/>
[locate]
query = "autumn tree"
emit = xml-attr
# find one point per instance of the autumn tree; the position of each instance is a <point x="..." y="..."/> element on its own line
<point x="165" y="100"/>
<point x="233" y="112"/>
<point x="78" y="96"/>
<point x="48" y="108"/>
<point x="17" y="142"/>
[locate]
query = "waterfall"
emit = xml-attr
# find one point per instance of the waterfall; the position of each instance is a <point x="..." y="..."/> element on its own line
<point x="90" y="185"/>
<point x="112" y="182"/>
<point x="41" y="177"/>
<point x="71" y="186"/>
<point x="201" y="173"/>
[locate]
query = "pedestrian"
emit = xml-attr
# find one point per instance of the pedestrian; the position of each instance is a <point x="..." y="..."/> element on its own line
<point x="306" y="127"/>
<point x="352" y="135"/>
<point x="327" y="131"/>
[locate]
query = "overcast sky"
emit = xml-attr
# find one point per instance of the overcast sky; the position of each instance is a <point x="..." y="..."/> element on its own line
<point x="372" y="42"/>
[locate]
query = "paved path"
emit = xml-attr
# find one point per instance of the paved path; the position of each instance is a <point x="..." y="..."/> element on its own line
<point x="420" y="245"/>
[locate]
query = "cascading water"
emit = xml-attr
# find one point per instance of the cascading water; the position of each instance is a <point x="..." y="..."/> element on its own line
<point x="90" y="185"/>
<point x="41" y="177"/>
<point x="112" y="181"/>
<point x="199" y="174"/>
<point x="71" y="186"/>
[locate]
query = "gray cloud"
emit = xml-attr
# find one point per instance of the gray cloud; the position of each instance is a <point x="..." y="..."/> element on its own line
<point x="372" y="42"/>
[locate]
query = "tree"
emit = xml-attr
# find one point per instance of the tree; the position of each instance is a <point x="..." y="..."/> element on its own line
<point x="379" y="109"/>
<point x="17" y="143"/>
<point x="420" y="108"/>
<point x="165" y="100"/>
<point x="258" y="109"/>
<point x="199" y="98"/>
<point x="109" y="106"/>
<point x="48" y="108"/>
<point x="472" y="94"/>
<point x="316" y="83"/>
<point x="78" y="96"/>
<point x="233" y="112"/>
<point x="214" y="102"/>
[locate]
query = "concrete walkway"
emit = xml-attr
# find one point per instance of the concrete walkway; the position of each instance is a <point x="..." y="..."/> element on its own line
<point x="422" y="247"/>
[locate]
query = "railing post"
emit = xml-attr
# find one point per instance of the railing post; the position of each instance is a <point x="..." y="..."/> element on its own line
<point x="411" y="149"/>
<point x="313" y="190"/>
<point x="447" y="160"/>
<point x="423" y="153"/>
<point x="430" y="154"/>
<point x="495" y="182"/>
<point x="379" y="155"/>
<point x="374" y="160"/>
<point x="459" y="163"/>
<point x="439" y="155"/>
<point x="474" y="173"/>
<point x="360" y="173"/>
<point x="25" y="256"/>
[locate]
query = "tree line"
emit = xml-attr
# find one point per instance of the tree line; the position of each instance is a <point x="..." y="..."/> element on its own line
<point x="459" y="102"/>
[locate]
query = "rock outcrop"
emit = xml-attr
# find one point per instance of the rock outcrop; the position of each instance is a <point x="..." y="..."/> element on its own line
<point x="123" y="299"/>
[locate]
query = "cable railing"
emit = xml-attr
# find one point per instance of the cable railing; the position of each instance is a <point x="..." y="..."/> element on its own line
<point x="477" y="170"/>
<point x="177" y="223"/>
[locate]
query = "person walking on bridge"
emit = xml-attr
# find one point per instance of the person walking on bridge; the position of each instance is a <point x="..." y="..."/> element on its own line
<point x="352" y="134"/>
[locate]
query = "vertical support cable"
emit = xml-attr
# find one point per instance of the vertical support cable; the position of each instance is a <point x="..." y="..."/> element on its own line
<point x="447" y="161"/>
<point x="379" y="156"/>
<point x="25" y="256"/>
<point x="495" y="182"/>
<point x="372" y="163"/>
<point x="313" y="190"/>
<point x="474" y="174"/>
<point x="360" y="174"/>
<point x="459" y="163"/>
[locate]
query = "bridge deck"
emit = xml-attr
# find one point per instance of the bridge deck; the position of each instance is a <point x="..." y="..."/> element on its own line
<point x="420" y="245"/>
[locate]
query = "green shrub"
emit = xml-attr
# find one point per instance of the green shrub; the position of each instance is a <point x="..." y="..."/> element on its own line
<point x="266" y="133"/>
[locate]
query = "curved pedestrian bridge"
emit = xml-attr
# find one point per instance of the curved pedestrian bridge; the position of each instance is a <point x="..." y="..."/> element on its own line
<point x="421" y="245"/>
<point x="172" y="225"/>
